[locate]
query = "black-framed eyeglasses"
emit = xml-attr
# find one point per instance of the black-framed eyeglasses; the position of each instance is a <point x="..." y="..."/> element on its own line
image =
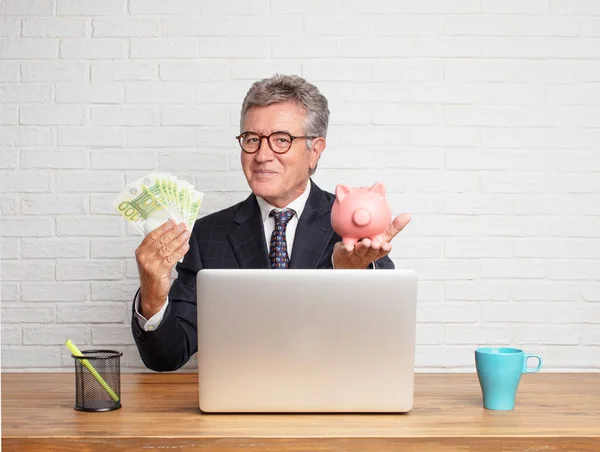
<point x="279" y="142"/>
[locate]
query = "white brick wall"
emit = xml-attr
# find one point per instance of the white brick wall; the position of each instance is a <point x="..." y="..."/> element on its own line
<point x="480" y="116"/>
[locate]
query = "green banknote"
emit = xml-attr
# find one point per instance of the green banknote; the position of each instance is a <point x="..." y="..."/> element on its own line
<point x="151" y="201"/>
<point x="143" y="206"/>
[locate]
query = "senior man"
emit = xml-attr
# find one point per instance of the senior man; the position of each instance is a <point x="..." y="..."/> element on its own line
<point x="284" y="223"/>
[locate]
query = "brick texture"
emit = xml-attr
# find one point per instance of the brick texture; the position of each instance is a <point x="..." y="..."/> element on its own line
<point x="479" y="116"/>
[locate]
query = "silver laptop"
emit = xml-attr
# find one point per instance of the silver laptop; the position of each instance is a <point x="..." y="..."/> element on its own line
<point x="306" y="340"/>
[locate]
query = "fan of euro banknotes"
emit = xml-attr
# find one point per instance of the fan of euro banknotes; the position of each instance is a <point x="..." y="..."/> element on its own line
<point x="156" y="198"/>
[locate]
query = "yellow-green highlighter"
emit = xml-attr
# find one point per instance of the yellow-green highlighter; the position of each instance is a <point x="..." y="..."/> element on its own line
<point x="76" y="352"/>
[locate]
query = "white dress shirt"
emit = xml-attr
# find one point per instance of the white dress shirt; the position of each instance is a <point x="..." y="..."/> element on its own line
<point x="269" y="225"/>
<point x="269" y="222"/>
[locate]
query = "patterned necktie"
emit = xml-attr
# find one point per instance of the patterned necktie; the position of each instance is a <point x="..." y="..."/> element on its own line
<point x="278" y="248"/>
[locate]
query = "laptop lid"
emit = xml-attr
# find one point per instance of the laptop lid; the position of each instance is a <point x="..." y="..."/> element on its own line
<point x="301" y="340"/>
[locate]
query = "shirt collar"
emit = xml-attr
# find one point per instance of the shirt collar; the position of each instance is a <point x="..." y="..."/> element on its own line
<point x="297" y="204"/>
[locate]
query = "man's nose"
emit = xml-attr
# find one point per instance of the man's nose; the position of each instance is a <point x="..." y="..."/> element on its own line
<point x="264" y="152"/>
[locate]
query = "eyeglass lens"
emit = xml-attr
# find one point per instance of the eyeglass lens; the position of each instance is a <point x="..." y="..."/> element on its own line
<point x="278" y="141"/>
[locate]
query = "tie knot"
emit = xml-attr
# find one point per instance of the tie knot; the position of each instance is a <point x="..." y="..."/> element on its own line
<point x="282" y="217"/>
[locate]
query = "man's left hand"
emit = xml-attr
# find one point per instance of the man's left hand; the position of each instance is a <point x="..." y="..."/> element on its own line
<point x="366" y="251"/>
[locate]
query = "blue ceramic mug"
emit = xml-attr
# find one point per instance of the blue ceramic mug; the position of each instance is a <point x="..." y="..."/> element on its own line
<point x="499" y="371"/>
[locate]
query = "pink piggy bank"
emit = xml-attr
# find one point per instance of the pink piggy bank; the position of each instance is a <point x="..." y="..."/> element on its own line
<point x="359" y="213"/>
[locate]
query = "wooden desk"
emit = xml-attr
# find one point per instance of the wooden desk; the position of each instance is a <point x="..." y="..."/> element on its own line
<point x="160" y="412"/>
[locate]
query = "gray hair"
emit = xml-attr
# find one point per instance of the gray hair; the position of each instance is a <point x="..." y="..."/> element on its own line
<point x="282" y="88"/>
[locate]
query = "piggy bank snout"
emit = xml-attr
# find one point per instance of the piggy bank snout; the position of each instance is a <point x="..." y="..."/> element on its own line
<point x="361" y="217"/>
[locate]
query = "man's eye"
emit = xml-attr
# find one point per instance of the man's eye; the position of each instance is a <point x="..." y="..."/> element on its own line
<point x="251" y="140"/>
<point x="283" y="140"/>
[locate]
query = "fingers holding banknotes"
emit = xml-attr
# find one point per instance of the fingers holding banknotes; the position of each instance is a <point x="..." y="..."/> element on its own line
<point x="163" y="209"/>
<point x="171" y="244"/>
<point x="156" y="256"/>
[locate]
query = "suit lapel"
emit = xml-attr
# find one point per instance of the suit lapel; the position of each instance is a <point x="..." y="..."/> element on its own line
<point x="247" y="238"/>
<point x="314" y="230"/>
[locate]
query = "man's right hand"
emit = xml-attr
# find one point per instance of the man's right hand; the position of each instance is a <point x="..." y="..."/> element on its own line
<point x="156" y="256"/>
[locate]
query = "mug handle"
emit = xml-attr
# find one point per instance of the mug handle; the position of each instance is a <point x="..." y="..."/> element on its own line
<point x="527" y="370"/>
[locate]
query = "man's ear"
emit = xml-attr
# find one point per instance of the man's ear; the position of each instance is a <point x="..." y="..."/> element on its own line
<point x="318" y="145"/>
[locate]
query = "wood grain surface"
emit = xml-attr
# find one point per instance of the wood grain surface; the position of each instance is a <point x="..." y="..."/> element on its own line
<point x="554" y="412"/>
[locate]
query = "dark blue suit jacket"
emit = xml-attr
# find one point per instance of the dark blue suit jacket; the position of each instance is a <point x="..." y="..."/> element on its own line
<point x="232" y="238"/>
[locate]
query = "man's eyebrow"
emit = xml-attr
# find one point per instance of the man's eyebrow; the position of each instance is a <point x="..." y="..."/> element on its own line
<point x="275" y="131"/>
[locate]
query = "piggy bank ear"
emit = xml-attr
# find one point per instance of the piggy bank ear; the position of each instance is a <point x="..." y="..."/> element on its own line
<point x="341" y="191"/>
<point x="379" y="189"/>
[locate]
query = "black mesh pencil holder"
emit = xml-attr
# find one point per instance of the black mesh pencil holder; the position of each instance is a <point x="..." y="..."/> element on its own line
<point x="98" y="380"/>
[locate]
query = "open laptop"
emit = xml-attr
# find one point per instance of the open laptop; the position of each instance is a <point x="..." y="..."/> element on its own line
<point x="306" y="340"/>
